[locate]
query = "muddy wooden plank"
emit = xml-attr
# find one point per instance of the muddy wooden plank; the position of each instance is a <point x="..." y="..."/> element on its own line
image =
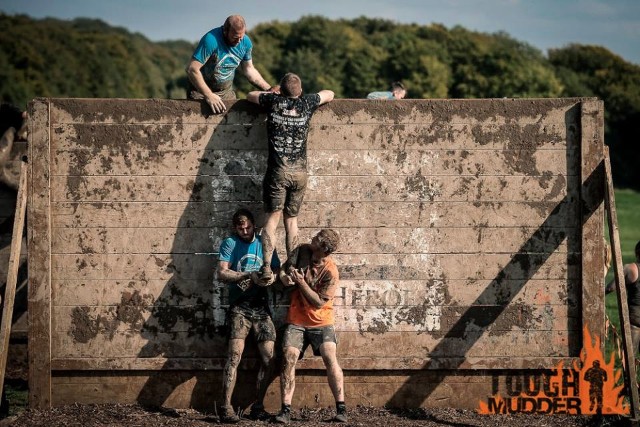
<point x="39" y="260"/>
<point x="320" y="188"/>
<point x="143" y="323"/>
<point x="592" y="196"/>
<point x="87" y="139"/>
<point x="140" y="318"/>
<point x="362" y="240"/>
<point x="365" y="364"/>
<point x="156" y="162"/>
<point x="343" y="111"/>
<point x="449" y="390"/>
<point x="477" y="266"/>
<point x="562" y="215"/>
<point x="358" y="136"/>
<point x="354" y="344"/>
<point x="108" y="292"/>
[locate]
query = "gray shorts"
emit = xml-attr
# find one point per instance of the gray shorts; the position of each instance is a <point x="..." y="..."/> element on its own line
<point x="301" y="337"/>
<point x="241" y="323"/>
<point x="282" y="190"/>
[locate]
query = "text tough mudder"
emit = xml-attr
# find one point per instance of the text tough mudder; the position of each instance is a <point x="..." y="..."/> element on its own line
<point x="543" y="393"/>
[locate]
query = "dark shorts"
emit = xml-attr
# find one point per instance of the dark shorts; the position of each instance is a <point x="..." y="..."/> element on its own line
<point x="301" y="337"/>
<point x="241" y="322"/>
<point x="282" y="190"/>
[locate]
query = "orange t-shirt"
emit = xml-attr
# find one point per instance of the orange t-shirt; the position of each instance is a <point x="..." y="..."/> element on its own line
<point x="324" y="281"/>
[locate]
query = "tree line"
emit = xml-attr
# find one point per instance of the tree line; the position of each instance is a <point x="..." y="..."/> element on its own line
<point x="89" y="58"/>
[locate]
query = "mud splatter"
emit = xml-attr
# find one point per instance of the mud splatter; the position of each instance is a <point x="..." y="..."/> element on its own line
<point x="132" y="308"/>
<point x="425" y="188"/>
<point x="84" y="327"/>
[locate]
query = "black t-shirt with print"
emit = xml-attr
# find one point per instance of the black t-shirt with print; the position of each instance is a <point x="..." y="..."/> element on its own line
<point x="287" y="128"/>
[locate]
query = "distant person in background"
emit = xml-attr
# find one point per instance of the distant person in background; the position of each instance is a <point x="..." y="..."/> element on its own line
<point x="398" y="91"/>
<point x="214" y="62"/>
<point x="632" y="284"/>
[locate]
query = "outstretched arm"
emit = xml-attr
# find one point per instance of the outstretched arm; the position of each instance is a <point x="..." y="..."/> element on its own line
<point x="253" y="75"/>
<point x="254" y="96"/>
<point x="326" y="95"/>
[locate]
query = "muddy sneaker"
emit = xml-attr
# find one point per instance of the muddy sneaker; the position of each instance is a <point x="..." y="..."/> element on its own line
<point x="284" y="417"/>
<point x="258" y="413"/>
<point x="228" y="416"/>
<point x="341" y="417"/>
<point x="341" y="414"/>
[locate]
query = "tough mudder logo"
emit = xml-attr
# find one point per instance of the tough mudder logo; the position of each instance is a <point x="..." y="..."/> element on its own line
<point x="591" y="386"/>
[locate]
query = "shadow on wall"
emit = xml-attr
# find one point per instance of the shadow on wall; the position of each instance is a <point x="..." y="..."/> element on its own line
<point x="521" y="268"/>
<point x="185" y="326"/>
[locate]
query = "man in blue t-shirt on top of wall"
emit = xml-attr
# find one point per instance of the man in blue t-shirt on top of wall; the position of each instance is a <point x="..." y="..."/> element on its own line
<point x="214" y="62"/>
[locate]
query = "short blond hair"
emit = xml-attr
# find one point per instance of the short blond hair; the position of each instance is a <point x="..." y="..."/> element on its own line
<point x="291" y="85"/>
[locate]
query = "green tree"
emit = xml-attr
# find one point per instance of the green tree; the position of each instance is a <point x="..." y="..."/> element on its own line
<point x="595" y="71"/>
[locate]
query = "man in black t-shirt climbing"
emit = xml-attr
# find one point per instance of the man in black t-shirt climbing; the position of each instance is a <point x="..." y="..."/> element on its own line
<point x="285" y="181"/>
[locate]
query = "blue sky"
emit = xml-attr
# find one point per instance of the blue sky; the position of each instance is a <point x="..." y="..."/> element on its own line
<point x="614" y="24"/>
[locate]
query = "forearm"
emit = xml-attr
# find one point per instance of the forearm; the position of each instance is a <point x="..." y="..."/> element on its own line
<point x="310" y="295"/>
<point x="231" y="276"/>
<point x="195" y="77"/>
<point x="256" y="79"/>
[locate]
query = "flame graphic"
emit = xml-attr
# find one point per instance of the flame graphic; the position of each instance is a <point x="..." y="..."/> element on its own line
<point x="612" y="396"/>
<point x="555" y="392"/>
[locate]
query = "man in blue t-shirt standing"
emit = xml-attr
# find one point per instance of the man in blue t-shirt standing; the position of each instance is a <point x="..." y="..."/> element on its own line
<point x="238" y="263"/>
<point x="214" y="62"/>
<point x="288" y="115"/>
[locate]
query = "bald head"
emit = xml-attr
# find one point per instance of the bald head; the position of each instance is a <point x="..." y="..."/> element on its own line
<point x="234" y="29"/>
<point x="235" y="22"/>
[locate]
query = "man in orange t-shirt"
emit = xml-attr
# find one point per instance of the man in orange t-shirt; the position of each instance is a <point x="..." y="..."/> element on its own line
<point x="310" y="320"/>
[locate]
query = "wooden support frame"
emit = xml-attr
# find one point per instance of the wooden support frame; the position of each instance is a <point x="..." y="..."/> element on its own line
<point x="592" y="198"/>
<point x="12" y="276"/>
<point x="39" y="242"/>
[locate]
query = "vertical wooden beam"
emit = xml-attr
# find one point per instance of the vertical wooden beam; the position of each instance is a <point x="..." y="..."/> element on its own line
<point x="39" y="255"/>
<point x="621" y="292"/>
<point x="592" y="207"/>
<point x="12" y="276"/>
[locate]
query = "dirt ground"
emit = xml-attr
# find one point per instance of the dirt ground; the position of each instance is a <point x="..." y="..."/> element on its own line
<point x="113" y="415"/>
<point x="133" y="415"/>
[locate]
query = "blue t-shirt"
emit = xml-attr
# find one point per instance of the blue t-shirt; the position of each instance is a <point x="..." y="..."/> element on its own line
<point x="243" y="256"/>
<point x="220" y="60"/>
<point x="380" y="95"/>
